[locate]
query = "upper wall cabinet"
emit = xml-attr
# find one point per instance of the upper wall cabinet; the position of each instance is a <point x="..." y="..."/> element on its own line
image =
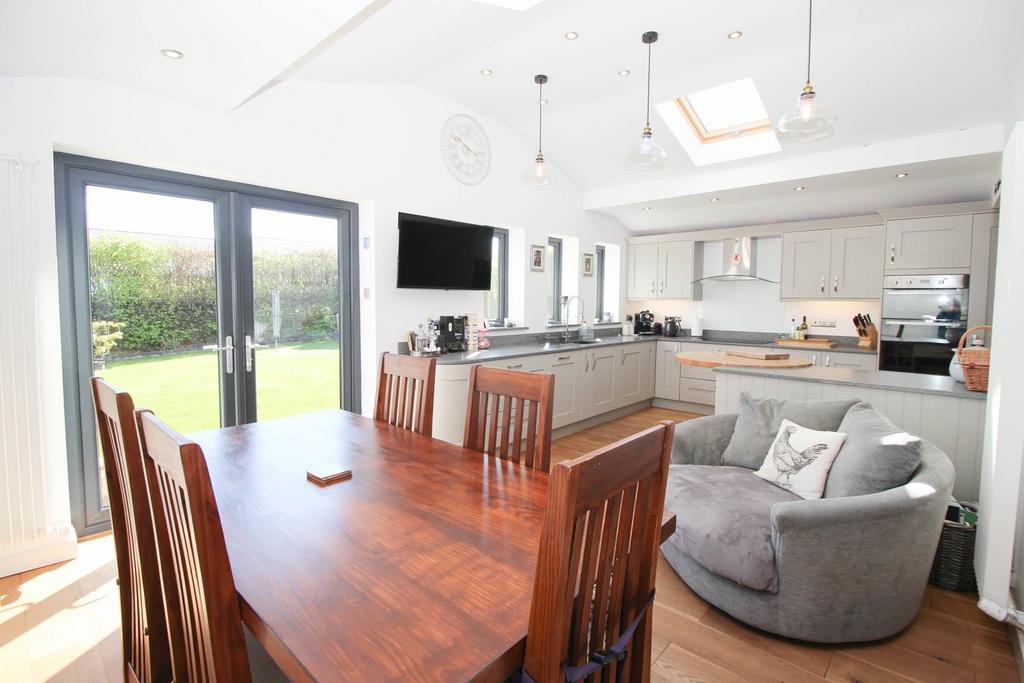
<point x="805" y="264"/>
<point x="935" y="243"/>
<point x="856" y="263"/>
<point x="844" y="263"/>
<point x="661" y="270"/>
<point x="642" y="271"/>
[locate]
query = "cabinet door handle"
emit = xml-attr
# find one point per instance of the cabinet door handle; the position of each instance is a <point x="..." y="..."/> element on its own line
<point x="563" y="358"/>
<point x="814" y="359"/>
<point x="586" y="367"/>
<point x="652" y="286"/>
<point x="823" y="283"/>
<point x="661" y="287"/>
<point x="835" y="284"/>
<point x="892" y="253"/>
<point x="828" y="361"/>
<point x="517" y="365"/>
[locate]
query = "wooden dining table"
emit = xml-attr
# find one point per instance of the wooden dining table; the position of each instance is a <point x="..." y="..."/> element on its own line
<point x="419" y="567"/>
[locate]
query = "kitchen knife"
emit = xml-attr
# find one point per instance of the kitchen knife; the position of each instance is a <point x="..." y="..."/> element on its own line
<point x="856" y="323"/>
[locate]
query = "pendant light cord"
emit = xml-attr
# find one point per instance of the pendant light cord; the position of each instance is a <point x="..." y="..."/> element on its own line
<point x="649" y="85"/>
<point x="540" y="120"/>
<point x="810" y="13"/>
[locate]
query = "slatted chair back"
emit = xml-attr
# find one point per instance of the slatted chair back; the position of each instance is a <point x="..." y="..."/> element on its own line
<point x="145" y="651"/>
<point x="506" y="408"/>
<point x="203" y="616"/>
<point x="405" y="392"/>
<point x="597" y="561"/>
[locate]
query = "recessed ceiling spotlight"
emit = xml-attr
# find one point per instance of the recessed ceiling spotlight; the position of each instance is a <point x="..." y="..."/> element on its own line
<point x="799" y="188"/>
<point x="624" y="72"/>
<point x="572" y="35"/>
<point x="716" y="199"/>
<point x="735" y="34"/>
<point x="647" y="208"/>
<point x="902" y="174"/>
<point x="542" y="102"/>
<point x="172" y="54"/>
<point x="486" y="72"/>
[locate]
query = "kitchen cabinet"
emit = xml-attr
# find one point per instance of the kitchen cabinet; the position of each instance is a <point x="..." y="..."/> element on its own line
<point x="664" y="270"/>
<point x="806" y="257"/>
<point x="700" y="391"/>
<point x="597" y="388"/>
<point x="566" y="405"/>
<point x="933" y="244"/>
<point x="844" y="263"/>
<point x="675" y="270"/>
<point x="634" y="374"/>
<point x="856" y="263"/>
<point x="667" y="379"/>
<point x="852" y="361"/>
<point x="642" y="271"/>
<point x="648" y="362"/>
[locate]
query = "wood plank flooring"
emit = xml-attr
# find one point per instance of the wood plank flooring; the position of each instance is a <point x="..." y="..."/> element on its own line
<point x="60" y="623"/>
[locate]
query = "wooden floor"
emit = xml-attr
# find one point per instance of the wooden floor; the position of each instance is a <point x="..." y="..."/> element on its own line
<point x="60" y="623"/>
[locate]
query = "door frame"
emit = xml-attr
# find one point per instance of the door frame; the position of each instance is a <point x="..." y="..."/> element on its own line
<point x="72" y="173"/>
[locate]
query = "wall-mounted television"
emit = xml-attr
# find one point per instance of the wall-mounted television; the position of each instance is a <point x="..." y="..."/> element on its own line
<point x="434" y="253"/>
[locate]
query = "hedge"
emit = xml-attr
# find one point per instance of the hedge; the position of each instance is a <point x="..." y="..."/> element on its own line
<point x="164" y="293"/>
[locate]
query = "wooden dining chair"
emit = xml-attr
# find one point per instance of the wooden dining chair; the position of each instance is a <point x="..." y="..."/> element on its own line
<point x="594" y="585"/>
<point x="145" y="651"/>
<point x="516" y="404"/>
<point x="203" y="616"/>
<point x="405" y="392"/>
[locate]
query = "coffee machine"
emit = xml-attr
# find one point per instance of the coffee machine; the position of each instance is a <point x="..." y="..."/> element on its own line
<point x="451" y="331"/>
<point x="643" y="323"/>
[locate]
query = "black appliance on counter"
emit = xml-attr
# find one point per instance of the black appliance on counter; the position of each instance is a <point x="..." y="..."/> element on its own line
<point x="923" y="318"/>
<point x="643" y="323"/>
<point x="451" y="331"/>
<point x="673" y="326"/>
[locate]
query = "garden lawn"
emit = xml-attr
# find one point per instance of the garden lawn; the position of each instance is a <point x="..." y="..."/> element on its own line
<point x="183" y="390"/>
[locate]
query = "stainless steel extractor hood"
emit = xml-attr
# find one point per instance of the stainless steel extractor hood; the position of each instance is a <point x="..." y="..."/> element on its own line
<point x="737" y="263"/>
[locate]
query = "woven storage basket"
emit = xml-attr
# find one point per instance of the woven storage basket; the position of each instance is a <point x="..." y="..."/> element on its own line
<point x="953" y="567"/>
<point x="974" y="361"/>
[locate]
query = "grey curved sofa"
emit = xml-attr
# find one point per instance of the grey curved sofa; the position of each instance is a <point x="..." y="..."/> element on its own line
<point x="827" y="570"/>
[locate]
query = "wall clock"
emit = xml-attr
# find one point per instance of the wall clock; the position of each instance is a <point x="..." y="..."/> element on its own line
<point x="465" y="150"/>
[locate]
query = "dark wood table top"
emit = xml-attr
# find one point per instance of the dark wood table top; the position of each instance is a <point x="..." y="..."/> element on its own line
<point x="420" y="567"/>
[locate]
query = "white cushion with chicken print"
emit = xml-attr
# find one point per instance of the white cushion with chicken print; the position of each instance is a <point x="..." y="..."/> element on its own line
<point x="800" y="458"/>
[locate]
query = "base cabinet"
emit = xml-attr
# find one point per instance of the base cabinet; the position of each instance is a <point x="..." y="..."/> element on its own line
<point x="667" y="372"/>
<point x="566" y="369"/>
<point x="598" y="385"/>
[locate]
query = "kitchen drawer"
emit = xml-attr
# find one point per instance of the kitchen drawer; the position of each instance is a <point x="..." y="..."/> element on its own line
<point x="694" y="372"/>
<point x="853" y="361"/>
<point x="697" y="391"/>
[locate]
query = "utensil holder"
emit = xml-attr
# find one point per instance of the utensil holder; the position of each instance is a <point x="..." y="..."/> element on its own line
<point x="871" y="340"/>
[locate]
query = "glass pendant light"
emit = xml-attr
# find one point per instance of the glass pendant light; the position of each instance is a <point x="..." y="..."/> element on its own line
<point x="538" y="175"/>
<point x="810" y="120"/>
<point x="647" y="155"/>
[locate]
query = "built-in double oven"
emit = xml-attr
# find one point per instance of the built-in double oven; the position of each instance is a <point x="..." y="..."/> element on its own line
<point x="923" y="318"/>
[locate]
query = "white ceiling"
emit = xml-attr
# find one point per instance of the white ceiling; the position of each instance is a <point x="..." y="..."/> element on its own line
<point x="893" y="71"/>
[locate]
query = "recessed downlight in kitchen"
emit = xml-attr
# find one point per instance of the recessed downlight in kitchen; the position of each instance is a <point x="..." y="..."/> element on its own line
<point x="734" y="35"/>
<point x="572" y="35"/>
<point x="902" y="174"/>
<point x="624" y="72"/>
<point x="715" y="200"/>
<point x="172" y="53"/>
<point x="647" y="209"/>
<point x="799" y="188"/>
<point x="486" y="72"/>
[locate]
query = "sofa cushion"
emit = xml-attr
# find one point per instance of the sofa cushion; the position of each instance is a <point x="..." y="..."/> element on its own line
<point x="877" y="455"/>
<point x="759" y="420"/>
<point x="723" y="521"/>
<point x="800" y="459"/>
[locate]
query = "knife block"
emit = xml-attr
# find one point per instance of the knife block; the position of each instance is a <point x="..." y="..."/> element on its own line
<point x="870" y="341"/>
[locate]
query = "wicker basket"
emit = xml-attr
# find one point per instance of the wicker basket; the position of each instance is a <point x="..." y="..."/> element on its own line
<point x="953" y="567"/>
<point x="974" y="361"/>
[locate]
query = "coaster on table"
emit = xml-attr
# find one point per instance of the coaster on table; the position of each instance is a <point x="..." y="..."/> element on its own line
<point x="328" y="473"/>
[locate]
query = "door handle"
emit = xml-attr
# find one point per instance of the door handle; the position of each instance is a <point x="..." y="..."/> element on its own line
<point x="563" y="358"/>
<point x="661" y="287"/>
<point x="814" y="359"/>
<point x="249" y="346"/>
<point x="828" y="361"/>
<point x="229" y="353"/>
<point x="652" y="286"/>
<point x="516" y="366"/>
<point x="892" y="253"/>
<point x="586" y="364"/>
<point x="835" y="284"/>
<point x="822" y="283"/>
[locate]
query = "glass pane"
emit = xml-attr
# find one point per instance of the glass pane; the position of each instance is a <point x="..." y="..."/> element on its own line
<point x="494" y="295"/>
<point x="297" y="309"/>
<point x="153" y="293"/>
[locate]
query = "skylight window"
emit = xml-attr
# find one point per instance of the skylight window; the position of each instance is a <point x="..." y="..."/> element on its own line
<point x="723" y="123"/>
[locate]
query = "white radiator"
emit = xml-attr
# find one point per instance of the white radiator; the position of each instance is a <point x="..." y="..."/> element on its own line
<point x="28" y="535"/>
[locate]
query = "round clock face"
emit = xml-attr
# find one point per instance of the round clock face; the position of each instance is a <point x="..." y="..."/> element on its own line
<point x="465" y="149"/>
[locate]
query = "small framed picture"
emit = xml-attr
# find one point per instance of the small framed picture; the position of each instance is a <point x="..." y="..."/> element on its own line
<point x="537" y="252"/>
<point x="588" y="265"/>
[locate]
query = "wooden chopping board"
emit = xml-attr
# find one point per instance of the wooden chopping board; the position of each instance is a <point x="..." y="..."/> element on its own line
<point x="712" y="359"/>
<point x="807" y="343"/>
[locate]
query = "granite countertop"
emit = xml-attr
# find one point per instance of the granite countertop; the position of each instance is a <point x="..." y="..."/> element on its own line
<point x="870" y="379"/>
<point x="507" y="351"/>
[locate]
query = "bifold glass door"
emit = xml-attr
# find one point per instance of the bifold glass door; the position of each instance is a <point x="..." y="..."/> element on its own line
<point x="212" y="304"/>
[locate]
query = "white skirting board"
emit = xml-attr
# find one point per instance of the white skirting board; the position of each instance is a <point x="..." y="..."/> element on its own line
<point x="58" y="544"/>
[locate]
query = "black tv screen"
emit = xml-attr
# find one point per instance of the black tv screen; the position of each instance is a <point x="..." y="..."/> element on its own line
<point x="438" y="254"/>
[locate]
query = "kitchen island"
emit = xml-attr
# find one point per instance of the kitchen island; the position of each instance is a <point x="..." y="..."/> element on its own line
<point x="938" y="409"/>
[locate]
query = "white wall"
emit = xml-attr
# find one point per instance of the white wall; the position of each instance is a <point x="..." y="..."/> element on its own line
<point x="1001" y="476"/>
<point x="374" y="144"/>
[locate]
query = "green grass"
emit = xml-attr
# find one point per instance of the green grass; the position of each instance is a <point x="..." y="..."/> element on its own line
<point x="183" y="390"/>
